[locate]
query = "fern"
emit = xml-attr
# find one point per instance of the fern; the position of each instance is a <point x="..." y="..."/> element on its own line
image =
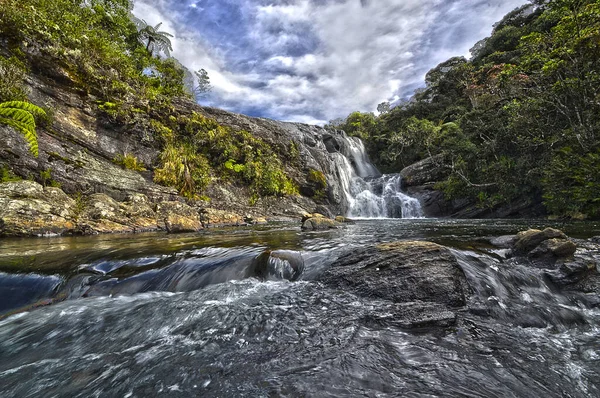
<point x="21" y="116"/>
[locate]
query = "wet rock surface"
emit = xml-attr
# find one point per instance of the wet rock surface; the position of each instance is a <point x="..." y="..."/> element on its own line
<point x="423" y="277"/>
<point x="570" y="264"/>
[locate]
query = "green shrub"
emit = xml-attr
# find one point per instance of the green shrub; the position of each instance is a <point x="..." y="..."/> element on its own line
<point x="184" y="169"/>
<point x="47" y="180"/>
<point x="129" y="162"/>
<point x="318" y="182"/>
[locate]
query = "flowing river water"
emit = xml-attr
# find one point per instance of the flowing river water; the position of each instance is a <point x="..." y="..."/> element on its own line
<point x="159" y="315"/>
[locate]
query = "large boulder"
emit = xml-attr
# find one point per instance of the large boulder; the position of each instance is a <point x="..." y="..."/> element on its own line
<point x="28" y="209"/>
<point x="529" y="240"/>
<point x="423" y="277"/>
<point x="318" y="222"/>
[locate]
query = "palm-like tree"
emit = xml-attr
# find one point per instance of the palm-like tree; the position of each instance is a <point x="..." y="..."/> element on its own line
<point x="156" y="41"/>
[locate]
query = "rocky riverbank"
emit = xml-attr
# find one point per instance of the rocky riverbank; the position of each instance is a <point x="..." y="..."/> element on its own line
<point x="28" y="209"/>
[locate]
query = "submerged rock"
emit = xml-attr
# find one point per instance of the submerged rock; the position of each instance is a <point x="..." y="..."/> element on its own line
<point x="279" y="264"/>
<point x="423" y="274"/>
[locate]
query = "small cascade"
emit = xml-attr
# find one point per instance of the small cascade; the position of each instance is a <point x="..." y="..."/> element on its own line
<point x="367" y="193"/>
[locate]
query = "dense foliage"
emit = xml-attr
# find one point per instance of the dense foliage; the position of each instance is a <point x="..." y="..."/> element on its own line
<point x="123" y="64"/>
<point x="520" y="119"/>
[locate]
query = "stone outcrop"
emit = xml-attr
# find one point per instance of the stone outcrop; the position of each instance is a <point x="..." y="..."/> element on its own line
<point x="28" y="209"/>
<point x="570" y="264"/>
<point x="422" y="280"/>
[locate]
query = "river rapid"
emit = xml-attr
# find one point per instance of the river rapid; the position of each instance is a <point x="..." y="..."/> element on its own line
<point x="185" y="315"/>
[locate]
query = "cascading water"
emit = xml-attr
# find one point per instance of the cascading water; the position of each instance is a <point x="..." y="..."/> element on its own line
<point x="367" y="193"/>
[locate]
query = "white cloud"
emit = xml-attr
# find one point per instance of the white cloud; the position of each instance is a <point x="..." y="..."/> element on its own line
<point x="309" y="60"/>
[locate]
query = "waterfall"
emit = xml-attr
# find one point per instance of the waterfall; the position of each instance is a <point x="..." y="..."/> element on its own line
<point x="367" y="193"/>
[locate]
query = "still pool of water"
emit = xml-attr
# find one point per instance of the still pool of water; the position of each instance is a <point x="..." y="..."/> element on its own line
<point x="180" y="315"/>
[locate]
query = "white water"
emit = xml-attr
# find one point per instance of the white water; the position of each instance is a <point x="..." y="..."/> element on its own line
<point x="367" y="193"/>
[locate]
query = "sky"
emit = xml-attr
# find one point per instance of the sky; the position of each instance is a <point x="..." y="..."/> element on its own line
<point x="311" y="61"/>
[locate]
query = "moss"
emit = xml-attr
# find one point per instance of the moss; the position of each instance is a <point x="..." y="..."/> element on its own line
<point x="7" y="175"/>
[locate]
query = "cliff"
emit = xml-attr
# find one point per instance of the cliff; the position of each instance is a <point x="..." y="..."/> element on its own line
<point x="79" y="145"/>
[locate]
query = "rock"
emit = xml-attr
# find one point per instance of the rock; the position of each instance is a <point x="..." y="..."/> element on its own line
<point x="556" y="247"/>
<point x="343" y="220"/>
<point x="28" y="209"/>
<point x="427" y="170"/>
<point x="319" y="223"/>
<point x="279" y="264"/>
<point x="528" y="240"/>
<point x="177" y="217"/>
<point x="255" y="220"/>
<point x="504" y="241"/>
<point x="412" y="315"/>
<point x="424" y="274"/>
<point x="213" y="218"/>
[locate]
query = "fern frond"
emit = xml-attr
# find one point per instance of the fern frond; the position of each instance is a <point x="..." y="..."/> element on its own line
<point x="20" y="115"/>
<point x="26" y="106"/>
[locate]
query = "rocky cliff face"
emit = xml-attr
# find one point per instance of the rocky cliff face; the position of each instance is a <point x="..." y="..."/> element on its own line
<point x="78" y="148"/>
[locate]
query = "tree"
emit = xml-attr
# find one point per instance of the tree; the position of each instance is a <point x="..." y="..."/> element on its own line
<point x="21" y="116"/>
<point x="384" y="107"/>
<point x="156" y="41"/>
<point x="203" y="83"/>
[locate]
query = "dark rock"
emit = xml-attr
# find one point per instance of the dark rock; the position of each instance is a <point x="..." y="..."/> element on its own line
<point x="419" y="274"/>
<point x="425" y="171"/>
<point x="279" y="264"/>
<point x="526" y="241"/>
<point x="412" y="315"/>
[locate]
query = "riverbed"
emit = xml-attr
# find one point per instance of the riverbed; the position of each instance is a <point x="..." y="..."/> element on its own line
<point x="184" y="315"/>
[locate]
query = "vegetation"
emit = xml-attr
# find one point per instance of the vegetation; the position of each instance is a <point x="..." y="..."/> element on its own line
<point x="197" y="147"/>
<point x="318" y="183"/>
<point x="129" y="162"/>
<point x="155" y="40"/>
<point x="7" y="175"/>
<point x="21" y="116"/>
<point x="521" y="119"/>
<point x="124" y="64"/>
<point x="47" y="180"/>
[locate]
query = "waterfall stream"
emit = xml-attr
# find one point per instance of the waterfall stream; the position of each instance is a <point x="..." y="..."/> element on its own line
<point x="368" y="193"/>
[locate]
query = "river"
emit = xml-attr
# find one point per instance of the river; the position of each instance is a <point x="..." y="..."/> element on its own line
<point x="181" y="315"/>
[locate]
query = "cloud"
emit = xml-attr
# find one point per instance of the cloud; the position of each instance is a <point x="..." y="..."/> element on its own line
<point x="315" y="60"/>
